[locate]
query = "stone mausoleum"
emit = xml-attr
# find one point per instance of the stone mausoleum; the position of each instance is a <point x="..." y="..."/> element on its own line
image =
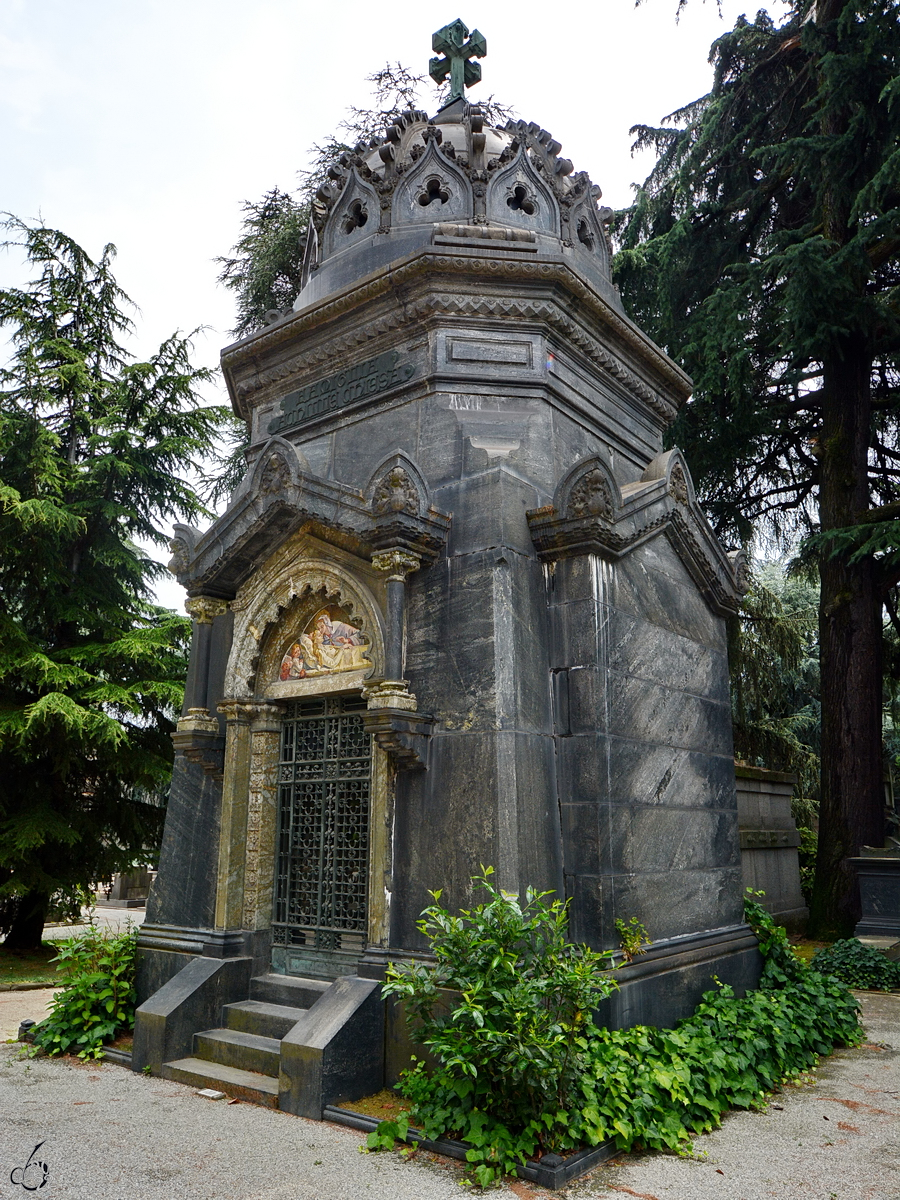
<point x="463" y="609"/>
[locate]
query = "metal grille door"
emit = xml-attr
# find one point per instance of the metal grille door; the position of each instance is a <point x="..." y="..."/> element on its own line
<point x="323" y="849"/>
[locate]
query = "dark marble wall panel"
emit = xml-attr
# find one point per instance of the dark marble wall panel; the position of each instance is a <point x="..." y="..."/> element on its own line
<point x="645" y="774"/>
<point x="673" y="903"/>
<point x="489" y="510"/>
<point x="319" y="453"/>
<point x="582" y="768"/>
<point x="654" y="839"/>
<point x="444" y="828"/>
<point x="184" y="891"/>
<point x="361" y="445"/>
<point x="450" y="642"/>
<point x="657" y="655"/>
<point x="667" y="599"/>
<point x="646" y="712"/>
<point x="439" y="451"/>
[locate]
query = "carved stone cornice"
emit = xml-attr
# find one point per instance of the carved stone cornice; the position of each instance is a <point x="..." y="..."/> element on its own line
<point x="582" y="299"/>
<point x="403" y="735"/>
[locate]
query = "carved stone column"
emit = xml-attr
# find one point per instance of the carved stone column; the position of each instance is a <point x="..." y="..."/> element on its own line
<point x="204" y="610"/>
<point x="393" y="690"/>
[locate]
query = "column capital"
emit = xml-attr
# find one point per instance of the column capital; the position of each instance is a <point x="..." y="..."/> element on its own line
<point x="396" y="564"/>
<point x="259" y="714"/>
<point x="205" y="609"/>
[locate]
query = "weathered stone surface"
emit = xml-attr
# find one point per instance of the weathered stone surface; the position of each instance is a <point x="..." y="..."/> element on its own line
<point x="456" y="461"/>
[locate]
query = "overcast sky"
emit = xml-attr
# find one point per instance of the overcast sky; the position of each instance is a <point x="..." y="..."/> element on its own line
<point x="146" y="122"/>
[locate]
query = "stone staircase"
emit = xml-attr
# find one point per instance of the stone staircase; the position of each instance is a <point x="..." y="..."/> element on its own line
<point x="242" y="1058"/>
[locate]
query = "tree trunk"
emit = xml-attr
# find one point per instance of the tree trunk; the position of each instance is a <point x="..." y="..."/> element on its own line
<point x="28" y="924"/>
<point x="851" y="807"/>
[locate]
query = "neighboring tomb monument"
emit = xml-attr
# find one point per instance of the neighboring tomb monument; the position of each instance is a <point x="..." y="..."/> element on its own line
<point x="462" y="609"/>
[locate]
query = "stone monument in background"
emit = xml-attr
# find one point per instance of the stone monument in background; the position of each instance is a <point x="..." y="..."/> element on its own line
<point x="463" y="609"/>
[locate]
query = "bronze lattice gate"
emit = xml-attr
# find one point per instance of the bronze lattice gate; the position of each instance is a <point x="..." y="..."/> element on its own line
<point x="321" y="884"/>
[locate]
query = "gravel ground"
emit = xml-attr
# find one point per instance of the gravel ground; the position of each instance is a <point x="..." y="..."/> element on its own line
<point x="108" y="1134"/>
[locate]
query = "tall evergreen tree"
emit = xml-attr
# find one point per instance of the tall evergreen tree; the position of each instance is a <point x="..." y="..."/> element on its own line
<point x="94" y="448"/>
<point x="764" y="253"/>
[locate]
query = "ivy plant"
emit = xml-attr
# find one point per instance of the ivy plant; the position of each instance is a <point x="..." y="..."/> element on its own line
<point x="522" y="1069"/>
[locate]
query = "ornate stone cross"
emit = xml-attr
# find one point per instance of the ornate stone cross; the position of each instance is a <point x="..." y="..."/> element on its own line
<point x="451" y="42"/>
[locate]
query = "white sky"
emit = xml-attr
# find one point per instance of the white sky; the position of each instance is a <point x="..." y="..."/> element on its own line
<point x="147" y="122"/>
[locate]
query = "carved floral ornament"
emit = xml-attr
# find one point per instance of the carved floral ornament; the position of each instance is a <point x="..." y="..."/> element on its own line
<point x="205" y="609"/>
<point x="276" y="476"/>
<point x="396" y="493"/>
<point x="181" y="556"/>
<point x="678" y="487"/>
<point x="592" y="496"/>
<point x="396" y="564"/>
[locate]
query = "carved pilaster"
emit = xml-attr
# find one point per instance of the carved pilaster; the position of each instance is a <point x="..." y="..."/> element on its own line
<point x="262" y="816"/>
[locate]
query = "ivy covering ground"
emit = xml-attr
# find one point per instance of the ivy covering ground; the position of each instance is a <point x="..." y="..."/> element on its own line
<point x="523" y="1070"/>
<point x="858" y="966"/>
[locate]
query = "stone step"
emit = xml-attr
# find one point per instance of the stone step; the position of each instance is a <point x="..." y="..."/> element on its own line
<point x="233" y="1048"/>
<point x="292" y="991"/>
<point x="242" y="1085"/>
<point x="256" y="1016"/>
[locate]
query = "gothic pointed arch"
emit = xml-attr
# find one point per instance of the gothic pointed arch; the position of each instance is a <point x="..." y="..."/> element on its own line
<point x="589" y="491"/>
<point x="518" y="196"/>
<point x="397" y="486"/>
<point x="354" y="215"/>
<point x="432" y="189"/>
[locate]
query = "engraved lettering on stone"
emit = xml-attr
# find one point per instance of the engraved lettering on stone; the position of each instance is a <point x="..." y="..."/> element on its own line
<point x="591" y="496"/>
<point x="355" y="383"/>
<point x="396" y="494"/>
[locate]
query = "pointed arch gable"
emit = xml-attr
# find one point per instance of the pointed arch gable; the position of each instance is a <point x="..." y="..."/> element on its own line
<point x="434" y="189"/>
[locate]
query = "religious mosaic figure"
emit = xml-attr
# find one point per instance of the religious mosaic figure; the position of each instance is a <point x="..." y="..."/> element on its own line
<point x="326" y="646"/>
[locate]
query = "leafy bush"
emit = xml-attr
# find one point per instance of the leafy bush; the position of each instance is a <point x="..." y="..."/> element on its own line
<point x="858" y="966"/>
<point x="575" y="1084"/>
<point x="97" y="997"/>
<point x="506" y="1009"/>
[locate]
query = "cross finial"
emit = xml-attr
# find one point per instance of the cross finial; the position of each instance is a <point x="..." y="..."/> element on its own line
<point x="451" y="42"/>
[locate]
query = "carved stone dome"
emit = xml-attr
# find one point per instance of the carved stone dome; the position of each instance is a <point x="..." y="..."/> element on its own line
<point x="451" y="180"/>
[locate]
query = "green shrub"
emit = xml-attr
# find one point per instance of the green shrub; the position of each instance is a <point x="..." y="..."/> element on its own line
<point x="858" y="966"/>
<point x="97" y="997"/>
<point x="506" y="1009"/>
<point x="523" y="1068"/>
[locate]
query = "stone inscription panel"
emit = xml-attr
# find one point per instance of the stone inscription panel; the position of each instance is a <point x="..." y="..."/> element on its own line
<point x="468" y="350"/>
<point x="359" y="382"/>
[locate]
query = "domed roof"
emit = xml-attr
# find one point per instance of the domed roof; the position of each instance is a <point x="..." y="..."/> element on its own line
<point x="452" y="176"/>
